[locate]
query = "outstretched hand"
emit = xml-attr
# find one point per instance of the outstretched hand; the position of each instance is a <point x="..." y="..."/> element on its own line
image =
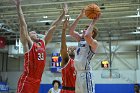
<point x="17" y="2"/>
<point x="66" y="23"/>
<point x="97" y="18"/>
<point x="82" y="13"/>
<point x="65" y="8"/>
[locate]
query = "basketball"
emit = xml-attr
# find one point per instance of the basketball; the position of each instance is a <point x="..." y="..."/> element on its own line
<point x="92" y="11"/>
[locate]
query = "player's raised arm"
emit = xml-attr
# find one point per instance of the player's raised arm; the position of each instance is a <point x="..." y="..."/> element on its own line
<point x="24" y="37"/>
<point x="73" y="33"/>
<point x="59" y="19"/>
<point x="91" y="33"/>
<point x="64" y="53"/>
<point x="48" y="36"/>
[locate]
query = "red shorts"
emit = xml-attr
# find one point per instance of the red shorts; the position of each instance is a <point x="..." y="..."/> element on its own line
<point x="28" y="85"/>
<point x="67" y="91"/>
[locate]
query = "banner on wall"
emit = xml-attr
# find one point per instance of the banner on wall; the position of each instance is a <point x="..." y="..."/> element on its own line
<point x="56" y="62"/>
<point x="4" y="86"/>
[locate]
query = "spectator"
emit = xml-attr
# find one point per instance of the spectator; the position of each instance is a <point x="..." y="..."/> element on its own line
<point x="55" y="89"/>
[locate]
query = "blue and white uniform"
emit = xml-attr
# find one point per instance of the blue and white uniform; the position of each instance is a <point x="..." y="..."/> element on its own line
<point x="84" y="78"/>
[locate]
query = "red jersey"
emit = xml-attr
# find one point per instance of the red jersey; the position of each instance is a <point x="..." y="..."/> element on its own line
<point x="34" y="60"/>
<point x="34" y="63"/>
<point x="68" y="74"/>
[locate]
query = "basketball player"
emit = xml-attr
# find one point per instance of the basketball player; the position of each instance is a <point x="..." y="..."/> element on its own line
<point x="85" y="51"/>
<point x="68" y="70"/>
<point x="34" y="53"/>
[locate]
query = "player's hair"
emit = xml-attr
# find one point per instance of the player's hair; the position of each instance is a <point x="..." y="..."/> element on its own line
<point x="71" y="52"/>
<point x="72" y="55"/>
<point x="95" y="30"/>
<point x="56" y="81"/>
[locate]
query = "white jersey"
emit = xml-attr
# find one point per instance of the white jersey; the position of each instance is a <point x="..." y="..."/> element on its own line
<point x="84" y="79"/>
<point x="55" y="91"/>
<point x="83" y="56"/>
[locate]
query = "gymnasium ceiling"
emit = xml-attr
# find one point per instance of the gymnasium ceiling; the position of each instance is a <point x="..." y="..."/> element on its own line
<point x="120" y="19"/>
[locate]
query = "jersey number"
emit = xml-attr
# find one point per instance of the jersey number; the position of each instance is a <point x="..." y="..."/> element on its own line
<point x="40" y="56"/>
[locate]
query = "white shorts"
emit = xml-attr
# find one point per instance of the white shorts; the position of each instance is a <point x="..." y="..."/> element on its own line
<point x="84" y="82"/>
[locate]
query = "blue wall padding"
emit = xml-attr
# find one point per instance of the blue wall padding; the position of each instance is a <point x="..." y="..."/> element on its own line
<point x="44" y="88"/>
<point x="100" y="88"/>
<point x="114" y="88"/>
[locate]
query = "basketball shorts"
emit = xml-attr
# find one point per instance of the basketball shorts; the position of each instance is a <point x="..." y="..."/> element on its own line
<point x="67" y="89"/>
<point x="28" y="85"/>
<point x="84" y="82"/>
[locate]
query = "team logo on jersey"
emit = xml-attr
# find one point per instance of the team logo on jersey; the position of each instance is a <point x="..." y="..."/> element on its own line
<point x="82" y="44"/>
<point x="38" y="46"/>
